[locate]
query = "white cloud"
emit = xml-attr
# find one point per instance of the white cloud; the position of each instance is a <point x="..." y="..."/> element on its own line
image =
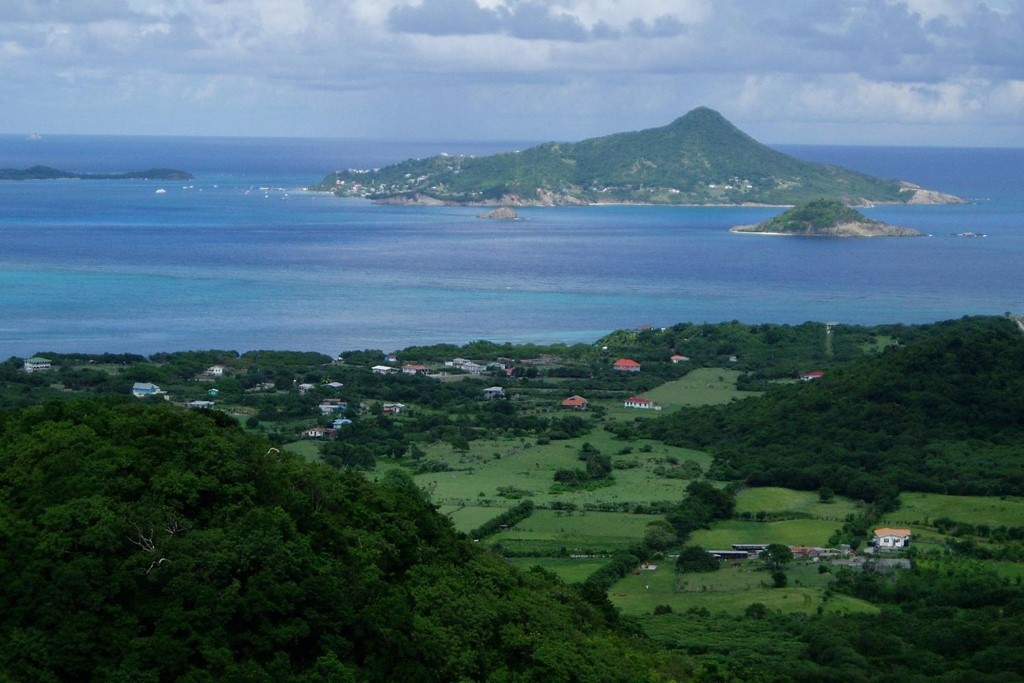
<point x="564" y="66"/>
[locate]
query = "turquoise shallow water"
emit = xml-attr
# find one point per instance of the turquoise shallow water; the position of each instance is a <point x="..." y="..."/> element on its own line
<point x="242" y="258"/>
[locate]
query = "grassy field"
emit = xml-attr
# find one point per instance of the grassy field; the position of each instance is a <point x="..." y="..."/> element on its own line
<point x="878" y="344"/>
<point x="703" y="386"/>
<point x="309" y="450"/>
<point x="465" y="518"/>
<point x="802" y="532"/>
<point x="731" y="589"/>
<point x="921" y="508"/>
<point x="477" y="475"/>
<point x="578" y="533"/>
<point x="569" y="569"/>
<point x="776" y="500"/>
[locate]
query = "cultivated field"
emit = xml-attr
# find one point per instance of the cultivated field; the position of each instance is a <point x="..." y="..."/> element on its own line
<point x="579" y="533"/>
<point x="477" y="475"/>
<point x="800" y="532"/>
<point x="780" y="501"/>
<point x="731" y="589"/>
<point x="922" y="508"/>
<point x="569" y="569"/>
<point x="703" y="386"/>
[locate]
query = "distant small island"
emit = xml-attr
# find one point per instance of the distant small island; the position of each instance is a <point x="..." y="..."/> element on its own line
<point x="50" y="173"/>
<point x="825" y="218"/>
<point x="503" y="213"/>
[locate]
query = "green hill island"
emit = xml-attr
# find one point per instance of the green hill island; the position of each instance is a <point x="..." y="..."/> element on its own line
<point x="50" y="173"/>
<point x="698" y="159"/>
<point x="825" y="218"/>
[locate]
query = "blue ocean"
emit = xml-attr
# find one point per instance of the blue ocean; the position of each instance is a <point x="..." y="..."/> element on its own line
<point x="245" y="258"/>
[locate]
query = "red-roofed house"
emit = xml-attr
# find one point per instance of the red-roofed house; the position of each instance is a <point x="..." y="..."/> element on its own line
<point x="414" y="369"/>
<point x="679" y="358"/>
<point x="626" y="365"/>
<point x="892" y="538"/>
<point x="814" y="374"/>
<point x="575" y="402"/>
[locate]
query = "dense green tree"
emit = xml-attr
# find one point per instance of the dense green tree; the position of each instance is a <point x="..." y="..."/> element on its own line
<point x="147" y="543"/>
<point x="941" y="413"/>
<point x="776" y="556"/>
<point x="694" y="558"/>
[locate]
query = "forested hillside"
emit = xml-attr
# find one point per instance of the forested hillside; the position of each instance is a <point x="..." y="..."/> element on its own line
<point x="144" y="543"/>
<point x="943" y="414"/>
<point x="700" y="158"/>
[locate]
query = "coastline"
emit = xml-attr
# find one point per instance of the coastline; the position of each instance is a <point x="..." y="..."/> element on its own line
<point x="840" y="230"/>
<point x="547" y="198"/>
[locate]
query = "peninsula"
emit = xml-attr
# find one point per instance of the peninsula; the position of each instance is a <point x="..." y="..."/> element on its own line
<point x="49" y="173"/>
<point x="700" y="158"/>
<point x="825" y="218"/>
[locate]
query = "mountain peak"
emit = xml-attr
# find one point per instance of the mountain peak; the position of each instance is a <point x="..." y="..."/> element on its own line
<point x="701" y="114"/>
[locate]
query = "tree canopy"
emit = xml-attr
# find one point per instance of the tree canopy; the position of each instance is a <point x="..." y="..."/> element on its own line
<point x="943" y="414"/>
<point x="145" y="543"/>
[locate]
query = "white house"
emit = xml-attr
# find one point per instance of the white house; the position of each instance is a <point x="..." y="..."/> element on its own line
<point x="37" y="364"/>
<point x="200" y="405"/>
<point x="891" y="539"/>
<point x="393" y="408"/>
<point x="641" y="402"/>
<point x="141" y="389"/>
<point x="215" y="371"/>
<point x="383" y="369"/>
<point x="465" y="365"/>
<point x="331" y="404"/>
<point x="494" y="392"/>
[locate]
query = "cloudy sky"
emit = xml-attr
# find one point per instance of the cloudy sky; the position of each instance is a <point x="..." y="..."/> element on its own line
<point x="943" y="72"/>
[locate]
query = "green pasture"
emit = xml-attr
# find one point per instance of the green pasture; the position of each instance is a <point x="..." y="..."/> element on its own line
<point x="568" y="569"/>
<point x="1013" y="571"/>
<point x="731" y="589"/>
<point x="580" y="532"/>
<point x="798" y="532"/>
<point x="777" y="500"/>
<point x="476" y="476"/>
<point x="465" y="518"/>
<point x="922" y="508"/>
<point x="702" y="386"/>
<point x="878" y="344"/>
<point x="309" y="450"/>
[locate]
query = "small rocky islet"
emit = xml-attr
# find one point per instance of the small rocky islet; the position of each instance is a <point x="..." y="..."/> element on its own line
<point x="825" y="218"/>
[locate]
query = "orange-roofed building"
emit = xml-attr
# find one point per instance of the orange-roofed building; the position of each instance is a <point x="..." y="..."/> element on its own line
<point x="626" y="365"/>
<point x="575" y="402"/>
